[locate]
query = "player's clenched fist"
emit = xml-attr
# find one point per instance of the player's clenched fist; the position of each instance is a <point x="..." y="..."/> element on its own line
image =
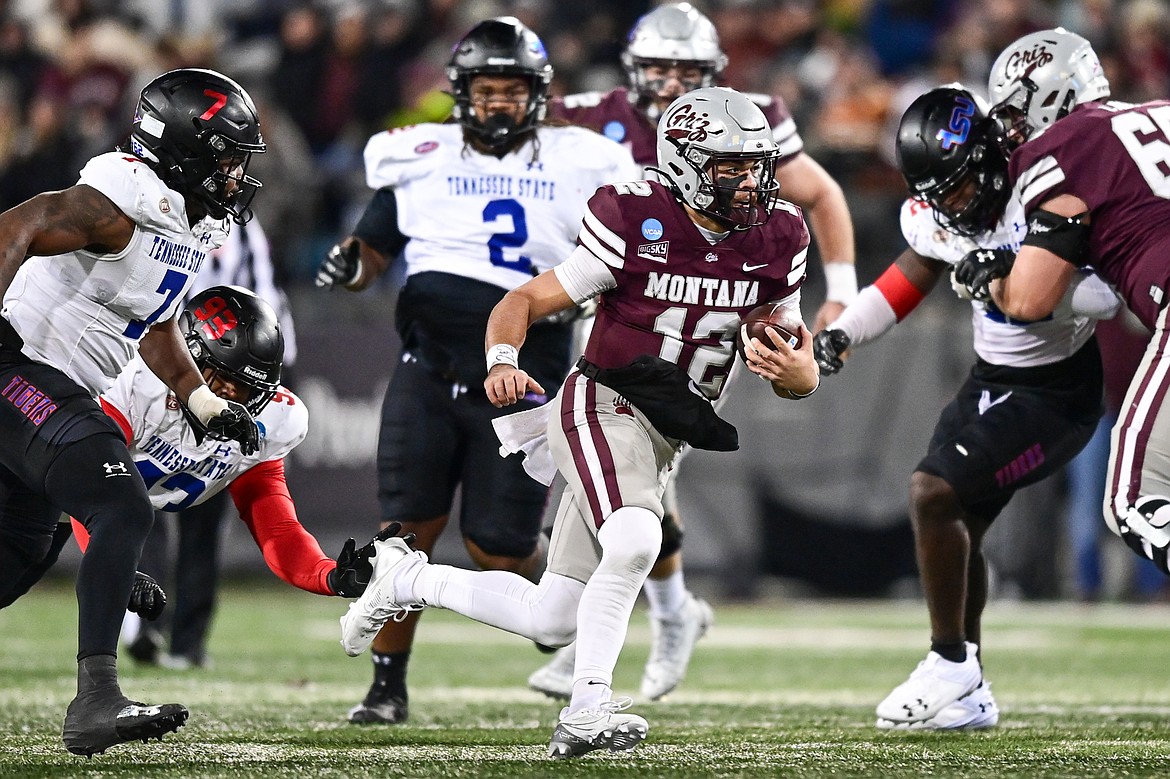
<point x="506" y="384"/>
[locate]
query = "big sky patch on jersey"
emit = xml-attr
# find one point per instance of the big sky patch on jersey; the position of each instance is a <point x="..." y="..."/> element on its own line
<point x="687" y="308"/>
<point x="495" y="220"/>
<point x="1116" y="158"/>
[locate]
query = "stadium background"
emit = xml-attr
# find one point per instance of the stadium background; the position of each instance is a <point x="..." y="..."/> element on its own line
<point x="816" y="498"/>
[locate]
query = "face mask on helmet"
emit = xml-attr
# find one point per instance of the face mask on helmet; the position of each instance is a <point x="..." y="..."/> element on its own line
<point x="234" y="337"/>
<point x="1039" y="79"/>
<point x="716" y="151"/>
<point x="199" y="129"/>
<point x="672" y="42"/>
<point x="948" y="155"/>
<point x="506" y="49"/>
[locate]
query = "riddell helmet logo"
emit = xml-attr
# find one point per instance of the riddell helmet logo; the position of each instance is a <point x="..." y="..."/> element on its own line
<point x="255" y="374"/>
<point x="1021" y="63"/>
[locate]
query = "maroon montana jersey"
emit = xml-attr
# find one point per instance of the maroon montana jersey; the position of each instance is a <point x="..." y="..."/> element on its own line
<point x="616" y="117"/>
<point x="1116" y="158"/>
<point x="678" y="296"/>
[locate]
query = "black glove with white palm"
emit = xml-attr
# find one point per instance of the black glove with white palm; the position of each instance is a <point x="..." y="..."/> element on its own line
<point x="342" y="265"/>
<point x="972" y="276"/>
<point x="354" y="569"/>
<point x="829" y="348"/>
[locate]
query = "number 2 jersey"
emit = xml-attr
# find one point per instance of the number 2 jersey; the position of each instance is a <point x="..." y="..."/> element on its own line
<point x="84" y="313"/>
<point x="666" y="290"/>
<point x="1116" y="158"/>
<point x="180" y="472"/>
<point x="480" y="225"/>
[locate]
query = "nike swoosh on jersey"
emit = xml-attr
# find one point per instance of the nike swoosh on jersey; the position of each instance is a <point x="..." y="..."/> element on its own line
<point x="749" y="268"/>
<point x="985" y="401"/>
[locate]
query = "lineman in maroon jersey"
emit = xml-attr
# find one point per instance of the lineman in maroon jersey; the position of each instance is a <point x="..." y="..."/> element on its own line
<point x="675" y="268"/>
<point x="1093" y="180"/>
<point x="672" y="50"/>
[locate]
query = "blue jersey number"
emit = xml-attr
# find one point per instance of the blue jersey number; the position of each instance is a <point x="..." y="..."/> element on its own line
<point x="513" y="240"/>
<point x="192" y="485"/>
<point x="172" y="284"/>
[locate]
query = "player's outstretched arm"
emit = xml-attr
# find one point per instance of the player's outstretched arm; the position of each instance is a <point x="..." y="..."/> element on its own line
<point x="804" y="182"/>
<point x="878" y="307"/>
<point x="507" y="327"/>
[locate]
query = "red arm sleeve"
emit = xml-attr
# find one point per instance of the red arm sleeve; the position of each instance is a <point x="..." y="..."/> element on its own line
<point x="293" y="554"/>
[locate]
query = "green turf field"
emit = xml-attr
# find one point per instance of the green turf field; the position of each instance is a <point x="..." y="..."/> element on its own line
<point x="785" y="689"/>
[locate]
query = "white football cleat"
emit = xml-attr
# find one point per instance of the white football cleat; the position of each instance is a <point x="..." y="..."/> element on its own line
<point x="606" y="727"/>
<point x="973" y="712"/>
<point x="377" y="605"/>
<point x="671" y="645"/>
<point x="555" y="678"/>
<point x="935" y="684"/>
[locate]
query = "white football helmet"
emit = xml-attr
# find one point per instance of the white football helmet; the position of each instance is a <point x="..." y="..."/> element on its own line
<point x="717" y="126"/>
<point x="676" y="33"/>
<point x="1039" y="78"/>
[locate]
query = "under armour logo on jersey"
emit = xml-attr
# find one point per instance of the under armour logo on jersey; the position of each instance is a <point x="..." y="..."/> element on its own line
<point x="536" y="165"/>
<point x="115" y="469"/>
<point x="985" y="401"/>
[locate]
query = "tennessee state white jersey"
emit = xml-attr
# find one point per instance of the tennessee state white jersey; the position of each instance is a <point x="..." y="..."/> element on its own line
<point x="998" y="340"/>
<point x="84" y="313"/>
<point x="179" y="472"/>
<point x="499" y="221"/>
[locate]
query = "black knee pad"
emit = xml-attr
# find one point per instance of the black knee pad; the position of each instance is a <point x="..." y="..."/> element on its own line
<point x="672" y="536"/>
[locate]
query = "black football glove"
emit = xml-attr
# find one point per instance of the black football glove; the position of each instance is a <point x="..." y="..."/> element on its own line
<point x="342" y="265"/>
<point x="147" y="598"/>
<point x="236" y="423"/>
<point x="354" y="570"/>
<point x="979" y="268"/>
<point x="828" y="345"/>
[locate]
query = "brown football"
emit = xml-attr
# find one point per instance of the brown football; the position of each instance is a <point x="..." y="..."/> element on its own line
<point x="783" y="320"/>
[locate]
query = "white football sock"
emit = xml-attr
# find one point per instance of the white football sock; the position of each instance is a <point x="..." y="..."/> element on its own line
<point x="630" y="540"/>
<point x="543" y="612"/>
<point x="666" y="596"/>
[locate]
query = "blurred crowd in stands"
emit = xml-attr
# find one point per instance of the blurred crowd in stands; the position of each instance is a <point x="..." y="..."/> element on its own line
<point x="328" y="74"/>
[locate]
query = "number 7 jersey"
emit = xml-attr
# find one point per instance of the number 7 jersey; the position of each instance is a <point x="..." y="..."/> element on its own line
<point x="496" y="220"/>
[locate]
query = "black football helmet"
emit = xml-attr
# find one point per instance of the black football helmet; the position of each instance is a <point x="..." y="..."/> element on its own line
<point x="188" y="124"/>
<point x="948" y="154"/>
<point x="504" y="47"/>
<point x="234" y="333"/>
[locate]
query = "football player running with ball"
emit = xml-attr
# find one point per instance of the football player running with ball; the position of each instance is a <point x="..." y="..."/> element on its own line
<point x="477" y="207"/>
<point x="91" y="275"/>
<point x="675" y="267"/>
<point x="671" y="50"/>
<point x="1030" y="405"/>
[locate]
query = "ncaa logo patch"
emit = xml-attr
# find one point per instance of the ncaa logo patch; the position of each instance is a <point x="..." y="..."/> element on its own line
<point x="651" y="229"/>
<point x="426" y="147"/>
<point x="614" y="130"/>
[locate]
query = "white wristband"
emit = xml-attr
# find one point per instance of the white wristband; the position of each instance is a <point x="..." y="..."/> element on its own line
<point x="797" y="396"/>
<point x="502" y="354"/>
<point x="841" y="282"/>
<point x="205" y="404"/>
